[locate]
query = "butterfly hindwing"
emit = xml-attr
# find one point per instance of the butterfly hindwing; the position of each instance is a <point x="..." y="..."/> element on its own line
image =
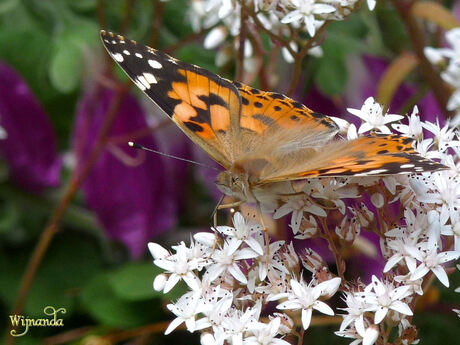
<point x="373" y="155"/>
<point x="205" y="106"/>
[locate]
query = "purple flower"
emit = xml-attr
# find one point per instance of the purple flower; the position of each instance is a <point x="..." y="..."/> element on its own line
<point x="129" y="190"/>
<point x="30" y="144"/>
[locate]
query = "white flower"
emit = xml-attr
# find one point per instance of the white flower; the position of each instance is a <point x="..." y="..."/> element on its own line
<point x="305" y="297"/>
<point x="226" y="260"/>
<point x="237" y="323"/>
<point x="243" y="232"/>
<point x="432" y="261"/>
<point x="367" y="336"/>
<point x="266" y="335"/>
<point x="306" y="11"/>
<point x="444" y="137"/>
<point x="414" y="128"/>
<point x="298" y="204"/>
<point x="453" y="229"/>
<point x="385" y="297"/>
<point x="185" y="309"/>
<point x="179" y="265"/>
<point x="333" y="191"/>
<point x="372" y="115"/>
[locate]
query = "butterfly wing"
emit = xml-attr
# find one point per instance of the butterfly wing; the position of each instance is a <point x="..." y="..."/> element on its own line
<point x="273" y="123"/>
<point x="373" y="155"/>
<point x="205" y="106"/>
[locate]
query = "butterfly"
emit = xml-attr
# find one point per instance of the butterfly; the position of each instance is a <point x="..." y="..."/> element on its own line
<point x="260" y="138"/>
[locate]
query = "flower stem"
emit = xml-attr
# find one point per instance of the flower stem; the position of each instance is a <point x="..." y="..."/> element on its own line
<point x="338" y="259"/>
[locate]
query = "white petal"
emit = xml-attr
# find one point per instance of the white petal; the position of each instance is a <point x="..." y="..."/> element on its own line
<point x="306" y="318"/>
<point x="441" y="274"/>
<point x="190" y="323"/>
<point x="370" y="336"/>
<point x="392" y="118"/>
<point x="365" y="127"/>
<point x="174" y="324"/>
<point x="159" y="282"/>
<point x="401" y="307"/>
<point x="237" y="274"/>
<point x="192" y="281"/>
<point x="323" y="308"/>
<point x="206" y="238"/>
<point x="448" y="256"/>
<point x="255" y="245"/>
<point x="292" y="17"/>
<point x="172" y="281"/>
<point x="157" y="251"/>
<point x="380" y="314"/>
<point x="419" y="272"/>
<point x="392" y="262"/>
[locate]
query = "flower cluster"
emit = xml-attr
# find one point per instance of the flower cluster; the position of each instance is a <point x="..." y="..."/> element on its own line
<point x="232" y="274"/>
<point x="235" y="272"/>
<point x="449" y="57"/>
<point x="278" y="17"/>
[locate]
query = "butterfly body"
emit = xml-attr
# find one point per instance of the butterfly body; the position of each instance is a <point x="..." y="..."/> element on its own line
<point x="260" y="138"/>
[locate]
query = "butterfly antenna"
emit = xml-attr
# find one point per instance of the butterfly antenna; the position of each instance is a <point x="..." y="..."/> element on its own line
<point x="140" y="147"/>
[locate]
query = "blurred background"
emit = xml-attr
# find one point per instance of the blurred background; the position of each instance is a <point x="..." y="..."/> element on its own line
<point x="70" y="183"/>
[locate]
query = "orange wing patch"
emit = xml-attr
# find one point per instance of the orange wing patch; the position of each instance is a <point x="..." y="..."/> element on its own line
<point x="262" y="110"/>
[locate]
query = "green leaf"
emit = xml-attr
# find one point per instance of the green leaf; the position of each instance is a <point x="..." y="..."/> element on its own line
<point x="133" y="281"/>
<point x="66" y="62"/>
<point x="331" y="76"/>
<point x="104" y="305"/>
<point x="65" y="67"/>
<point x="28" y="52"/>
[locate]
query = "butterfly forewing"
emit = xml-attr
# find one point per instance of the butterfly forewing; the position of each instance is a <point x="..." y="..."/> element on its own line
<point x="205" y="106"/>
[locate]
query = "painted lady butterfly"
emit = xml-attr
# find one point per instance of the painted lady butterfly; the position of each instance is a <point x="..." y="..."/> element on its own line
<point x="259" y="137"/>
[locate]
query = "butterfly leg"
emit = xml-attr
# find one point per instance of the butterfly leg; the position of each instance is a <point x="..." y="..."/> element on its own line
<point x="267" y="237"/>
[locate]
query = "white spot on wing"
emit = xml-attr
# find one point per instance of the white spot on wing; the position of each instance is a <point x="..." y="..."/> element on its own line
<point x="118" y="57"/>
<point x="377" y="171"/>
<point x="143" y="81"/>
<point x="405" y="166"/>
<point x="140" y="85"/>
<point x="138" y="55"/>
<point x="155" y="64"/>
<point x="126" y="52"/>
<point x="150" y="78"/>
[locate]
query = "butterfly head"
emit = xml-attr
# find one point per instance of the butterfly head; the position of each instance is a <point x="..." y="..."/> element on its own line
<point x="234" y="184"/>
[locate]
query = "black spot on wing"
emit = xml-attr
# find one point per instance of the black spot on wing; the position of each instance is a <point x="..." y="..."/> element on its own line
<point x="213" y="99"/>
<point x="194" y="127"/>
